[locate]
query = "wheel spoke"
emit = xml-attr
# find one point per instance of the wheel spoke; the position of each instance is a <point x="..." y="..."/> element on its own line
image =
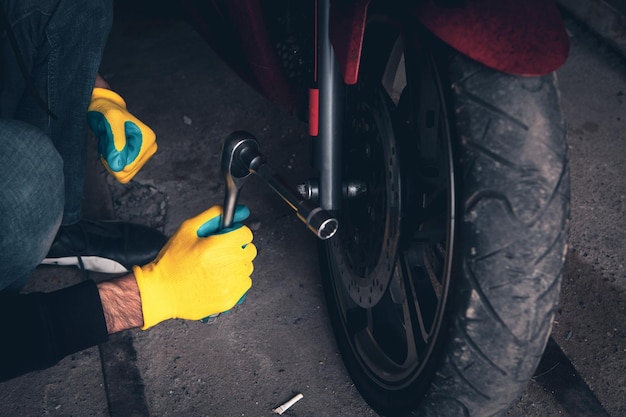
<point x="421" y="294"/>
<point x="394" y="76"/>
<point x="400" y="327"/>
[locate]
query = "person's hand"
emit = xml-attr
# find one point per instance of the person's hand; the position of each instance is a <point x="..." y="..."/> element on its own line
<point x="201" y="271"/>
<point x="124" y="142"/>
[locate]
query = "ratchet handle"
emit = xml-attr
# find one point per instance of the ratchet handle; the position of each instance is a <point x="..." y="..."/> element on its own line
<point x="231" y="196"/>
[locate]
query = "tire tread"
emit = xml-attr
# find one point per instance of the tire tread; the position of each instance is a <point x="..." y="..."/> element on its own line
<point x="522" y="239"/>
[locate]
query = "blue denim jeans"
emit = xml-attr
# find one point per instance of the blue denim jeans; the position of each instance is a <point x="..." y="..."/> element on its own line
<point x="60" y="43"/>
<point x="31" y="202"/>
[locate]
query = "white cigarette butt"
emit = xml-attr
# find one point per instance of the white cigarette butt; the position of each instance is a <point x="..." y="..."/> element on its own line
<point x="282" y="408"/>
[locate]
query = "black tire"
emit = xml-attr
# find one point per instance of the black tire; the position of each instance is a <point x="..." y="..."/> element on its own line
<point x="443" y="279"/>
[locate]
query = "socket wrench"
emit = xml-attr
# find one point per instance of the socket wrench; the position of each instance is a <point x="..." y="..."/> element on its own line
<point x="240" y="158"/>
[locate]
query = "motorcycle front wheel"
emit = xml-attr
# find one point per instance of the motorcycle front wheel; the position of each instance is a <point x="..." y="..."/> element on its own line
<point x="443" y="278"/>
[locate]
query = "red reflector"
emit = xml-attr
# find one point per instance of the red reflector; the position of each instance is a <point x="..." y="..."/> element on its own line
<point x="314" y="101"/>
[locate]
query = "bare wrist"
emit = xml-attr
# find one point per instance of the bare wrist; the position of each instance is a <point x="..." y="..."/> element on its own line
<point x="101" y="82"/>
<point x="121" y="303"/>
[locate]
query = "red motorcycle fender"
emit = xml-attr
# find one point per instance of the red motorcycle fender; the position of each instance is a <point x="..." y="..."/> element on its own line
<point x="347" y="26"/>
<point x="521" y="37"/>
<point x="518" y="37"/>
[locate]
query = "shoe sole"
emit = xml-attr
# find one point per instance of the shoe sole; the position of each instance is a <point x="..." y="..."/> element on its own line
<point x="90" y="263"/>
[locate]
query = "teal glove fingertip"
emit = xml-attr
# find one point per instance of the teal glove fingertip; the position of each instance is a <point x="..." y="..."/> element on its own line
<point x="213" y="226"/>
<point x="134" y="140"/>
<point x="116" y="160"/>
<point x="102" y="129"/>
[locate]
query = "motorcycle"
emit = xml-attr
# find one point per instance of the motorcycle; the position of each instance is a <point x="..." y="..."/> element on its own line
<point x="438" y="137"/>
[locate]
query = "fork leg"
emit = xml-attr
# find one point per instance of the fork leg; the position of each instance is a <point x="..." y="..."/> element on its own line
<point x="328" y="151"/>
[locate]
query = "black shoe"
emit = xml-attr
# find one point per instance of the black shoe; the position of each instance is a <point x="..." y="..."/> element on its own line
<point x="105" y="246"/>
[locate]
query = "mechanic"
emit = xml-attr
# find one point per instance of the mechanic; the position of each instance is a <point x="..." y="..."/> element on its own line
<point x="50" y="51"/>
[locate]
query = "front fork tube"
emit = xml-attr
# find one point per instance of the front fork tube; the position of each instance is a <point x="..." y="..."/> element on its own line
<point x="327" y="147"/>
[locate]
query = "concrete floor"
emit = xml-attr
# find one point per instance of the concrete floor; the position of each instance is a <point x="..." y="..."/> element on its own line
<point x="279" y="341"/>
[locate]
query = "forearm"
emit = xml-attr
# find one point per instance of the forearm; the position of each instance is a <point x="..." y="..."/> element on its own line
<point x="121" y="303"/>
<point x="41" y="328"/>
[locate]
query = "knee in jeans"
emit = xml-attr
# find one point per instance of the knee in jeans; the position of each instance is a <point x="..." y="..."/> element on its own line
<point x="31" y="158"/>
<point x="31" y="199"/>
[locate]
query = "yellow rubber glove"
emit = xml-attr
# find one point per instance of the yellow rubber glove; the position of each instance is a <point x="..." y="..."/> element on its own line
<point x="200" y="271"/>
<point x="124" y="142"/>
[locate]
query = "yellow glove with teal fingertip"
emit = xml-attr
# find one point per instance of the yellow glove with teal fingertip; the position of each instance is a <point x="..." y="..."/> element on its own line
<point x="124" y="142"/>
<point x="200" y="272"/>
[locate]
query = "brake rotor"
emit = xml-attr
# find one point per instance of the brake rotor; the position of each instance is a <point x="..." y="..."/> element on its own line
<point x="371" y="221"/>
